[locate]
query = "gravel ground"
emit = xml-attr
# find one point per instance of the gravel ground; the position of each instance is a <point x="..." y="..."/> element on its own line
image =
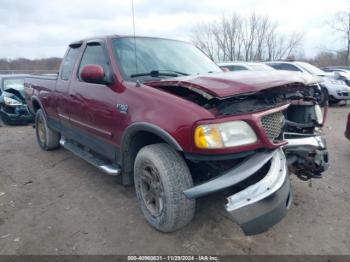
<point x="55" y="203"/>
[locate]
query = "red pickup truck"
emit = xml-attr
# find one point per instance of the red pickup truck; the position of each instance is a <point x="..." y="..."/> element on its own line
<point x="162" y="116"/>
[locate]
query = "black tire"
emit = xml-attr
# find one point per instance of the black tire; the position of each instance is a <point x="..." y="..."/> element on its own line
<point x="323" y="97"/>
<point x="47" y="138"/>
<point x="334" y="101"/>
<point x="162" y="174"/>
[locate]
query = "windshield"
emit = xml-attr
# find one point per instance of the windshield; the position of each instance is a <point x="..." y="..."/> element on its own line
<point x="14" y="83"/>
<point x="260" y="67"/>
<point x="311" y="69"/>
<point x="154" y="54"/>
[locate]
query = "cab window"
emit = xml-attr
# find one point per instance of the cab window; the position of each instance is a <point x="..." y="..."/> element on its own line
<point x="68" y="63"/>
<point x="94" y="55"/>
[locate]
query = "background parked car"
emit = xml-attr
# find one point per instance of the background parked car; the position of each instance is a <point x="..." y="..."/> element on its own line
<point x="332" y="68"/>
<point x="256" y="66"/>
<point x="339" y="72"/>
<point x="335" y="90"/>
<point x="238" y="66"/>
<point x="13" y="108"/>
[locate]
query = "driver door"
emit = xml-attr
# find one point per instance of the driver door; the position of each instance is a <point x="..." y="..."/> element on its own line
<point x="93" y="106"/>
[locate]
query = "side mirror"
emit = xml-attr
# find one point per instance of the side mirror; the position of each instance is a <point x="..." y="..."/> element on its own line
<point x="93" y="74"/>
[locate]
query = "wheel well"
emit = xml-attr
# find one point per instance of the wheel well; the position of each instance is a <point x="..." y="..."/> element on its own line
<point x="131" y="147"/>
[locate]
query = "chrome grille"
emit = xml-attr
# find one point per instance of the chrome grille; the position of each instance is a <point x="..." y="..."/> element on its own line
<point x="273" y="124"/>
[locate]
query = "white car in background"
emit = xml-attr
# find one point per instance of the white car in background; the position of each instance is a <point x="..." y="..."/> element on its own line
<point x="239" y="66"/>
<point x="336" y="90"/>
<point x="339" y="72"/>
<point x="257" y="66"/>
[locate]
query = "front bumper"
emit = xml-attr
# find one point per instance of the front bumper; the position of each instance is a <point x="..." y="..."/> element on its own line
<point x="340" y="92"/>
<point x="261" y="205"/>
<point x="264" y="204"/>
<point x="16" y="119"/>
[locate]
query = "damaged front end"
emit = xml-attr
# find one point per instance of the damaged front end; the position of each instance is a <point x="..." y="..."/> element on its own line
<point x="287" y="121"/>
<point x="13" y="109"/>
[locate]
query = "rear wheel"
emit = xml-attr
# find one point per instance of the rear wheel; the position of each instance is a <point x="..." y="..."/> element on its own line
<point x="47" y="138"/>
<point x="161" y="175"/>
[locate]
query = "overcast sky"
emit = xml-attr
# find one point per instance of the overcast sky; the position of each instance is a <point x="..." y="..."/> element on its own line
<point x="38" y="28"/>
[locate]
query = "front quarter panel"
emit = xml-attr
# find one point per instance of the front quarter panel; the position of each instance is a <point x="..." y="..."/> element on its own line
<point x="172" y="114"/>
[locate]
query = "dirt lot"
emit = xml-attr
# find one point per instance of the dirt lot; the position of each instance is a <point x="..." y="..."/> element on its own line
<point x="55" y="203"/>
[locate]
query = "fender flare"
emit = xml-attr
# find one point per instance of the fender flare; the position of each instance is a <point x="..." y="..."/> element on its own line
<point x="151" y="128"/>
<point x="126" y="159"/>
<point x="37" y="100"/>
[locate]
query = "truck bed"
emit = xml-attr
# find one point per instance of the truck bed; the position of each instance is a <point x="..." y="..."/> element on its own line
<point x="39" y="86"/>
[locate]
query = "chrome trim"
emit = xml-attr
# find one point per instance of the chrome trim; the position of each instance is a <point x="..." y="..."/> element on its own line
<point x="242" y="171"/>
<point x="93" y="128"/>
<point x="109" y="169"/>
<point x="317" y="142"/>
<point x="271" y="183"/>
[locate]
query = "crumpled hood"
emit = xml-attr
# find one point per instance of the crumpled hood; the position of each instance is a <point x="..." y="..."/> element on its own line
<point x="235" y="83"/>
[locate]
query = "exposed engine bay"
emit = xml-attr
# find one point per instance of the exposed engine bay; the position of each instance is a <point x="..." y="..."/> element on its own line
<point x="302" y="119"/>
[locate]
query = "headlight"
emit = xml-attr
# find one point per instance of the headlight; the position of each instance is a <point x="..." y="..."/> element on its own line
<point x="229" y="134"/>
<point x="319" y="115"/>
<point x="11" y="102"/>
<point x="337" y="82"/>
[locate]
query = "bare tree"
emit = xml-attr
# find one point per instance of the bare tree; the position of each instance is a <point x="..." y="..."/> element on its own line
<point x="23" y="65"/>
<point x="204" y="39"/>
<point x="328" y="58"/>
<point x="239" y="38"/>
<point x="341" y="25"/>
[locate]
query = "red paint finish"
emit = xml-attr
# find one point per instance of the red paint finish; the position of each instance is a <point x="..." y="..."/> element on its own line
<point x="93" y="107"/>
<point x="234" y="83"/>
<point x="347" y="131"/>
<point x="92" y="73"/>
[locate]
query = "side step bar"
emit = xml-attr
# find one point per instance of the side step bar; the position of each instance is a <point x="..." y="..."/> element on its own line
<point x="109" y="169"/>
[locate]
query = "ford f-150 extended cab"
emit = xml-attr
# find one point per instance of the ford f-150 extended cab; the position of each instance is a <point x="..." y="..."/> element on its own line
<point x="160" y="115"/>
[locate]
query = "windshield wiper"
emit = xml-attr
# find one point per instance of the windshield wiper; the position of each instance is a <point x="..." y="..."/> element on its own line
<point x="157" y="73"/>
<point x="177" y="72"/>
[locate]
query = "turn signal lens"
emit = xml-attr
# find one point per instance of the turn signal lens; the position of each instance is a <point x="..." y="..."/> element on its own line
<point x="208" y="137"/>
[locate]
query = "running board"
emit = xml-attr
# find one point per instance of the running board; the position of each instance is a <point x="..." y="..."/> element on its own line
<point x="109" y="169"/>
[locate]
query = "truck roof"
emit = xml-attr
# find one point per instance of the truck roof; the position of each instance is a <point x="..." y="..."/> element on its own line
<point x="118" y="36"/>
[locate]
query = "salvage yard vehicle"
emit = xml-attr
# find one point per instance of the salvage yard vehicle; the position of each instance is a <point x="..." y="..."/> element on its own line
<point x="333" y="89"/>
<point x="161" y="115"/>
<point x="13" y="108"/>
<point x="238" y="66"/>
<point x="339" y="72"/>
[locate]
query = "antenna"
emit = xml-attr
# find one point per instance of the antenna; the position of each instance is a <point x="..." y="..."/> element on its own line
<point x="133" y="23"/>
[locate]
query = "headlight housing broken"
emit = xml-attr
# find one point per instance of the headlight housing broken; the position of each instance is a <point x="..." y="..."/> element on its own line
<point x="12" y="102"/>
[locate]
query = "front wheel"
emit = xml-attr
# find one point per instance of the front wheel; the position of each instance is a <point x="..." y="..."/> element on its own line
<point x="48" y="139"/>
<point x="161" y="175"/>
<point x="323" y="97"/>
